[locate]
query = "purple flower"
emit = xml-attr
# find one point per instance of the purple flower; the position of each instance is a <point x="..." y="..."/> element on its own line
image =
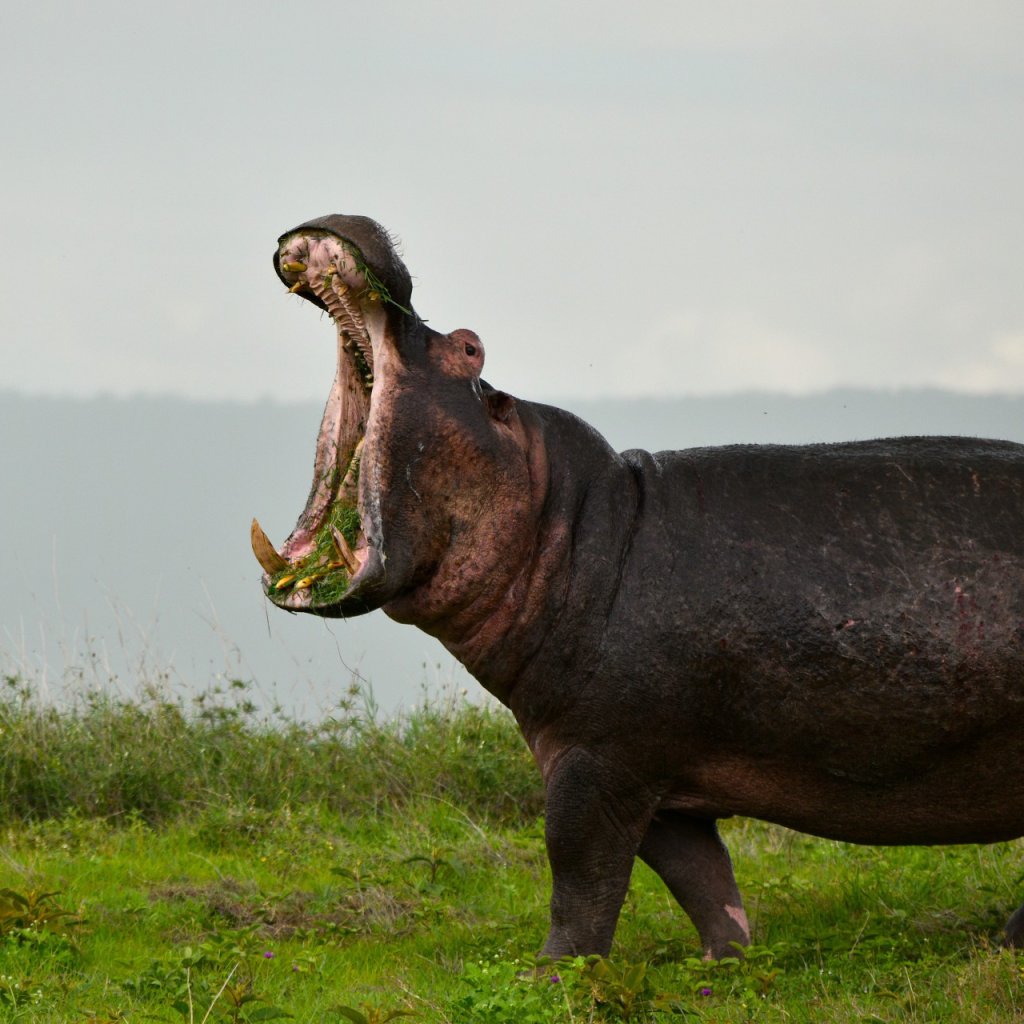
<point x="705" y="991"/>
<point x="268" y="955"/>
<point x="555" y="979"/>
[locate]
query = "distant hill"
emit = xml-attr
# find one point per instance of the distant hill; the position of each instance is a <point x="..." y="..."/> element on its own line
<point x="126" y="530"/>
<point x="840" y="415"/>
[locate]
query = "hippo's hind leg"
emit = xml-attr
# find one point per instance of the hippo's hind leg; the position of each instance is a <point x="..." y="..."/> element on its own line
<point x="1014" y="934"/>
<point x="693" y="862"/>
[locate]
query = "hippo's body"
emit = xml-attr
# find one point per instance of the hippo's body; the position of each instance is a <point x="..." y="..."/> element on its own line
<point x="828" y="637"/>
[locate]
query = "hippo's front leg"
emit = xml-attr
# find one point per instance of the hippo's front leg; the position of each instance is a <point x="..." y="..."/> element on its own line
<point x="595" y="820"/>
<point x="693" y="862"/>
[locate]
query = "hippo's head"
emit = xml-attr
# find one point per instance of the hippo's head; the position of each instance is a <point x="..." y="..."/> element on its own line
<point x="414" y="455"/>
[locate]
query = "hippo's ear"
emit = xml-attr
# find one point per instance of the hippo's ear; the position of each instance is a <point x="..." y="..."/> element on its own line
<point x="499" y="405"/>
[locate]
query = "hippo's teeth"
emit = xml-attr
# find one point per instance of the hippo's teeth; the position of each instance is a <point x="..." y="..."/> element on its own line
<point x="344" y="550"/>
<point x="297" y="287"/>
<point x="295" y="267"/>
<point x="353" y="466"/>
<point x="265" y="552"/>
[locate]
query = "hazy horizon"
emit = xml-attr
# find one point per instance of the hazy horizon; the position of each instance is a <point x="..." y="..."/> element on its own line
<point x="133" y="547"/>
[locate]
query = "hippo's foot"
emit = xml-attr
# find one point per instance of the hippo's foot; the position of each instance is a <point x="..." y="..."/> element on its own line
<point x="1014" y="934"/>
<point x="326" y="551"/>
<point x="693" y="862"/>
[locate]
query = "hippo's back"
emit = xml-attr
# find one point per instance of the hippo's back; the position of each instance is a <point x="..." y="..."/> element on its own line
<point x="834" y="633"/>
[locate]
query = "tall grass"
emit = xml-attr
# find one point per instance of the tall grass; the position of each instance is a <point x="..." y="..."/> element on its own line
<point x="397" y="864"/>
<point x="158" y="755"/>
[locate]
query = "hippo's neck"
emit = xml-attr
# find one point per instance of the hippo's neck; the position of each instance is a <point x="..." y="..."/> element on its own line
<point x="553" y="600"/>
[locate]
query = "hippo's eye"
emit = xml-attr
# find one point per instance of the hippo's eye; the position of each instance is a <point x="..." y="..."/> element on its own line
<point x="471" y="350"/>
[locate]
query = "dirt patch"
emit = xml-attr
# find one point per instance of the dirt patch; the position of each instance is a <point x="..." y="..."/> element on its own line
<point x="240" y="904"/>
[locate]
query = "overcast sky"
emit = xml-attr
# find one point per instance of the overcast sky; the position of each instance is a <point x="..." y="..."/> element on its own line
<point x="622" y="199"/>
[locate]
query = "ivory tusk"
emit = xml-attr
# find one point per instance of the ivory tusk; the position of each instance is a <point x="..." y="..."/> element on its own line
<point x="265" y="552"/>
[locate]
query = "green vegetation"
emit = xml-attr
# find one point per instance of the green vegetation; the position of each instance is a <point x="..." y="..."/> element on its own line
<point x="199" y="860"/>
<point x="376" y="289"/>
<point x="323" y="566"/>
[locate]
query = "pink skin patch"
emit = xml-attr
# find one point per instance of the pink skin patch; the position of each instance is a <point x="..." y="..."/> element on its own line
<point x="738" y="915"/>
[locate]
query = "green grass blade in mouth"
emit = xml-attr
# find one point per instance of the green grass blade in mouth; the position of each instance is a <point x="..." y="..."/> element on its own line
<point x="325" y="569"/>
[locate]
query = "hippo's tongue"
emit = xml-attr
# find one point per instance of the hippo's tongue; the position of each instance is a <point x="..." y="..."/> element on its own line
<point x="326" y="549"/>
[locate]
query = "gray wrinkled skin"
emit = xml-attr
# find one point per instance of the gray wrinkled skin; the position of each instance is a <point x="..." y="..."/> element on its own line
<point x="827" y="637"/>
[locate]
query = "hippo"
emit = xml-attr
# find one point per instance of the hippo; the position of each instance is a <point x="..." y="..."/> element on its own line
<point x="827" y="636"/>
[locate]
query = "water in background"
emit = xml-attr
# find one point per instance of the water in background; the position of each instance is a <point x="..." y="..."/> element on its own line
<point x="126" y="533"/>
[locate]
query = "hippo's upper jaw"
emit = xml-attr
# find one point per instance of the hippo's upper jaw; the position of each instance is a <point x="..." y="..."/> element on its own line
<point x="332" y="563"/>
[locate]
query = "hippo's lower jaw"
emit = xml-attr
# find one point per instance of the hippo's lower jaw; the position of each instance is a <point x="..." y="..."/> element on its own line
<point x="326" y="566"/>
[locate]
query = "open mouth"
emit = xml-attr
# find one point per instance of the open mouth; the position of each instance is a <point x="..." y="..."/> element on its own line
<point x="322" y="558"/>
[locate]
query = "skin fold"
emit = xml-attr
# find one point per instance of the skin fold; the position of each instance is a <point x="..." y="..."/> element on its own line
<point x="828" y="637"/>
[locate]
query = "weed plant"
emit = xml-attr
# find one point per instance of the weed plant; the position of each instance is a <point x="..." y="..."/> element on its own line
<point x="196" y="860"/>
<point x="156" y="756"/>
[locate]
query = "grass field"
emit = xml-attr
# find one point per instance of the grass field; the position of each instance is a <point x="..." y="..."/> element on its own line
<point x="197" y="861"/>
